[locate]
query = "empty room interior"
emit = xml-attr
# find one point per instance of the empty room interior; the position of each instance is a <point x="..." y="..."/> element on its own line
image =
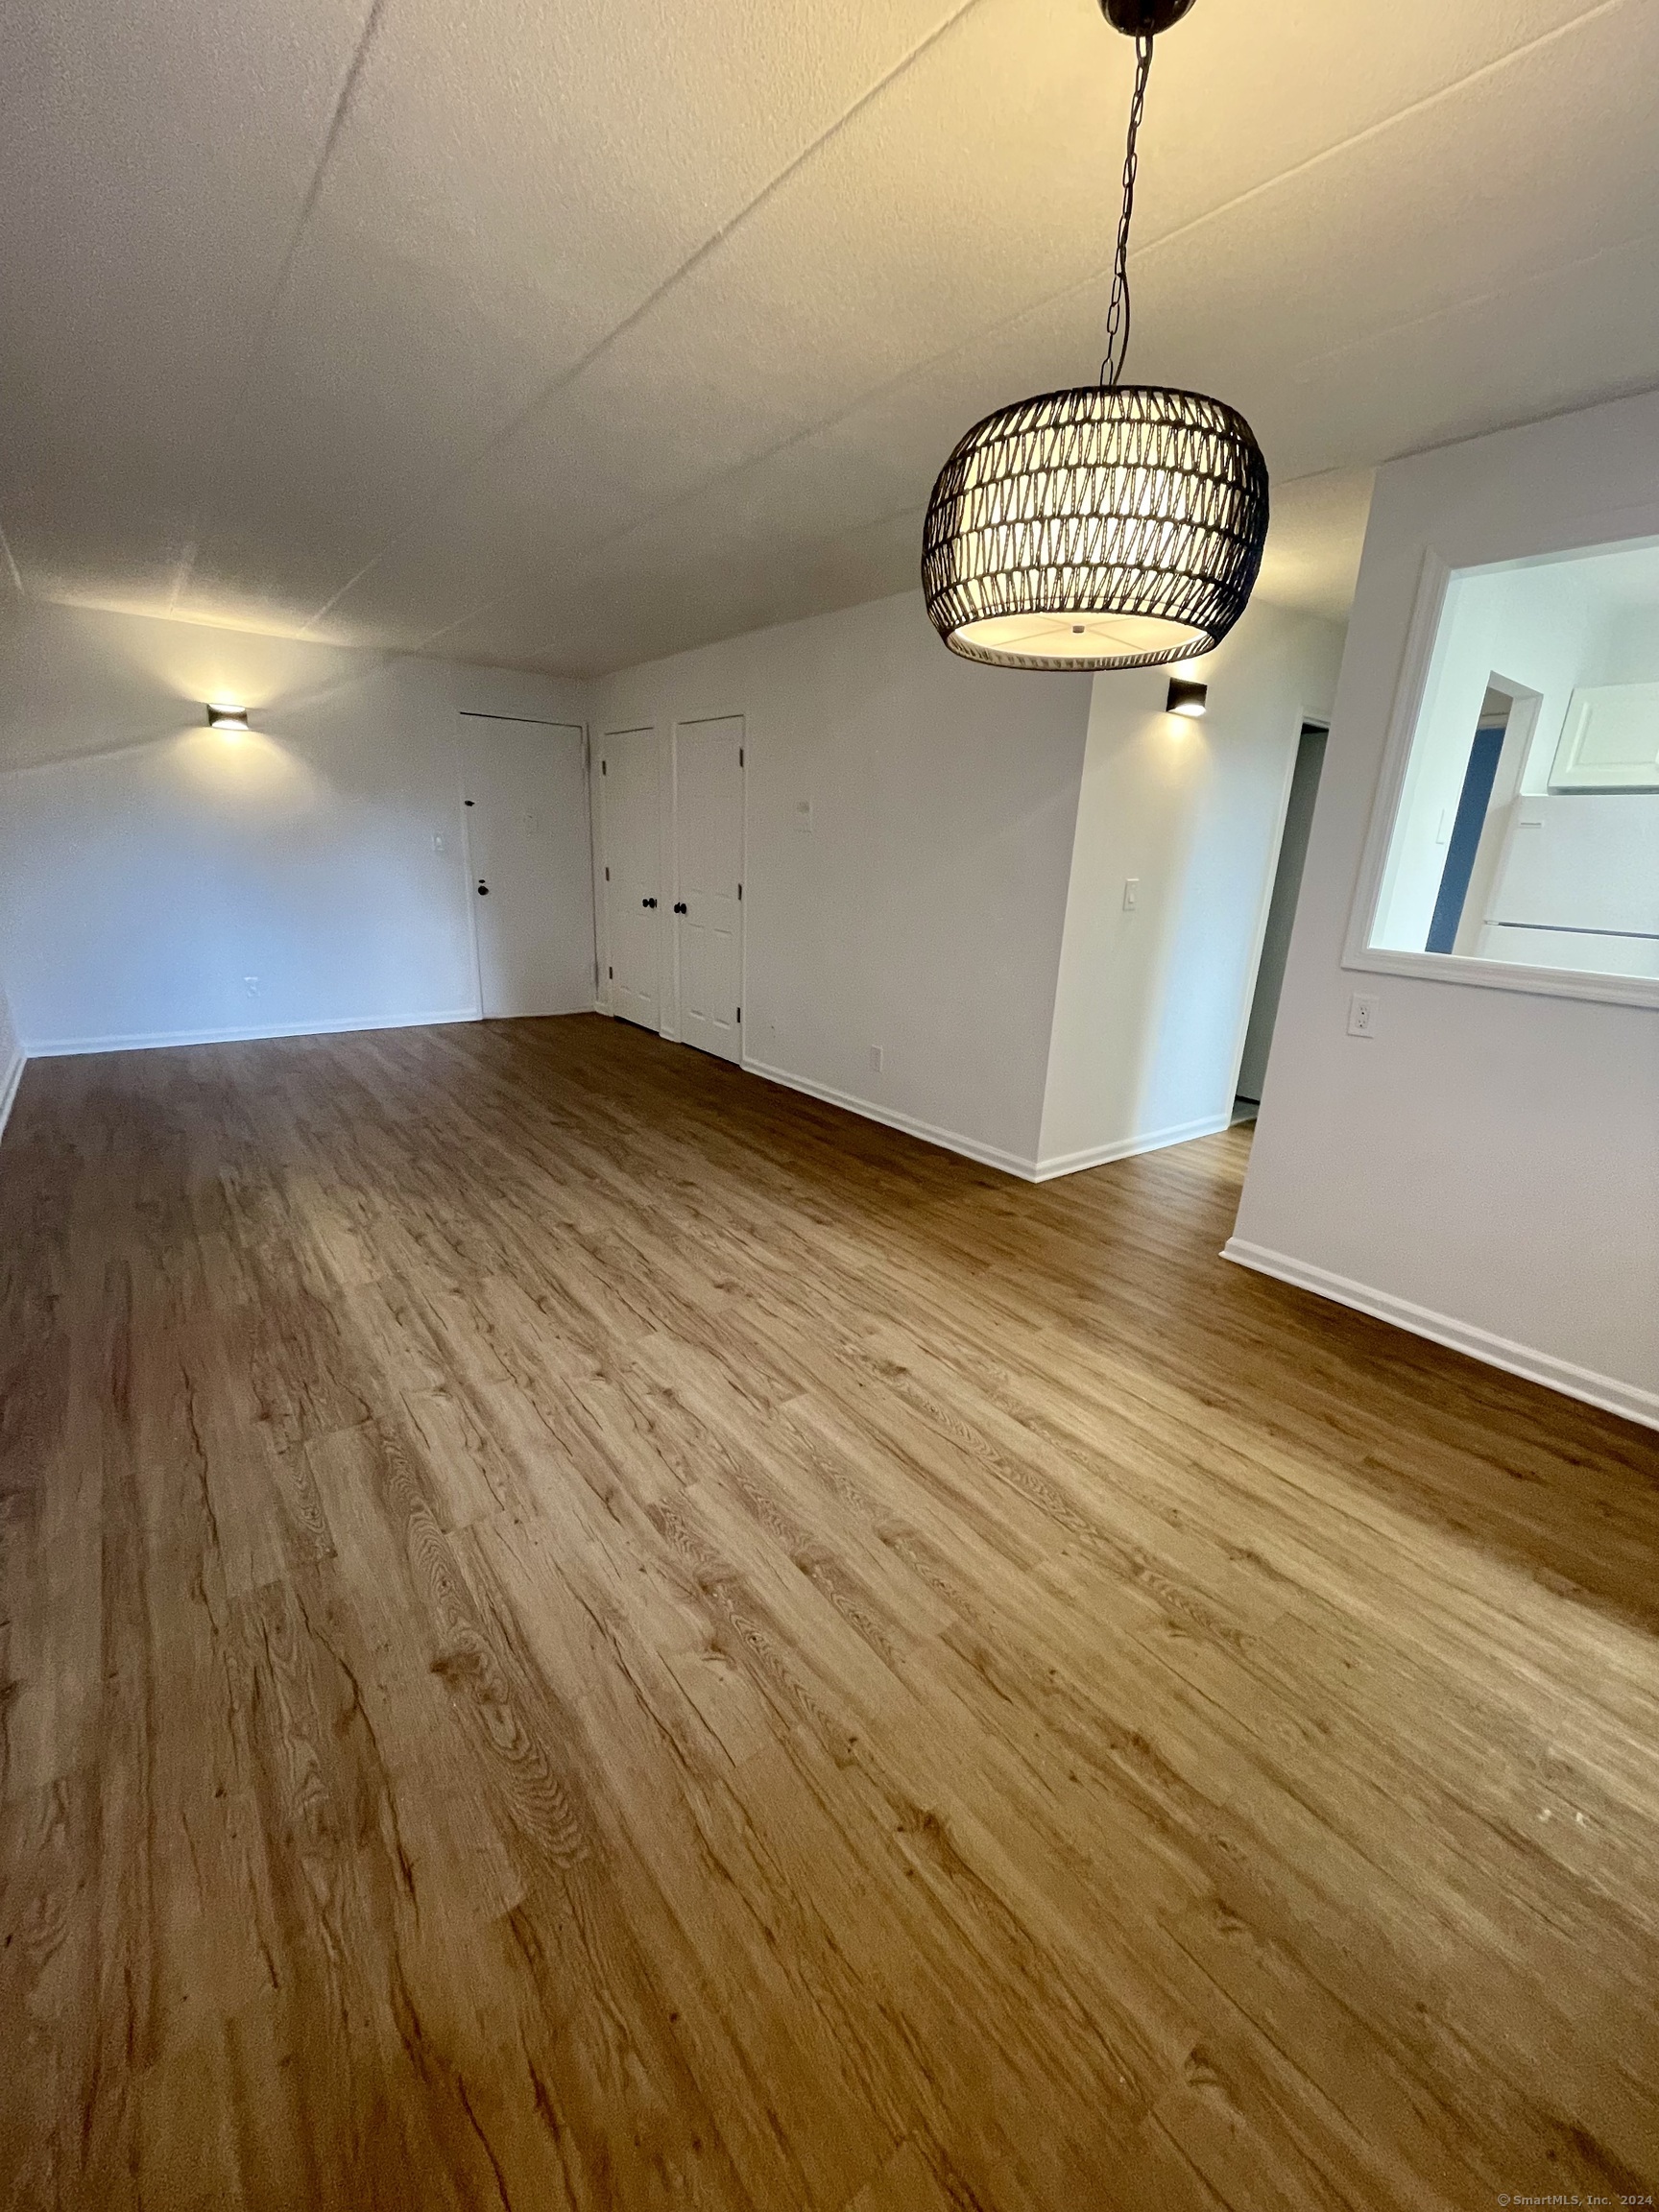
<point x="829" y="1106"/>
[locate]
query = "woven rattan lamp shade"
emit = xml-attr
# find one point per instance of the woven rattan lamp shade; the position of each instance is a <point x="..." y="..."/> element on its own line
<point x="1114" y="526"/>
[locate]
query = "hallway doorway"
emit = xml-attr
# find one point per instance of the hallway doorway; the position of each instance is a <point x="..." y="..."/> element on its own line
<point x="1280" y="914"/>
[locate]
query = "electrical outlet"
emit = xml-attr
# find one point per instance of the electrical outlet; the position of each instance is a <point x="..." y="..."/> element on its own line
<point x="1131" y="893"/>
<point x="438" y="841"/>
<point x="804" y="817"/>
<point x="1361" y="1016"/>
<point x="250" y="984"/>
<point x="877" y="1058"/>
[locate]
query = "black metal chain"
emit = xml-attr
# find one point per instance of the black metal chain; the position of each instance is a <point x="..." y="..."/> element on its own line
<point x="1117" y="314"/>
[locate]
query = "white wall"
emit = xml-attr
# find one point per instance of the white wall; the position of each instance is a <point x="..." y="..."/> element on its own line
<point x="148" y="867"/>
<point x="1152" y="1003"/>
<point x="1484" y="1166"/>
<point x="922" y="913"/>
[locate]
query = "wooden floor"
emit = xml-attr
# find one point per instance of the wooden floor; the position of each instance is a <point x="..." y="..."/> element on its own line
<point x="580" y="1631"/>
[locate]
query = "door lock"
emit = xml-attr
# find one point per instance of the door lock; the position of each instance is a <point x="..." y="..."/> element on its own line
<point x="679" y="905"/>
<point x="482" y="888"/>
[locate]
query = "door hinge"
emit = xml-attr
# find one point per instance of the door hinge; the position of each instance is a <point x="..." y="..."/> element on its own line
<point x="739" y="755"/>
<point x="739" y="1013"/>
<point x="609" y="975"/>
<point x="739" y="893"/>
<point x="604" y="767"/>
<point x="606" y="874"/>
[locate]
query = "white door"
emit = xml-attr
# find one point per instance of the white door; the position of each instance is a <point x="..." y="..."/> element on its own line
<point x="530" y="852"/>
<point x="633" y="909"/>
<point x="709" y="871"/>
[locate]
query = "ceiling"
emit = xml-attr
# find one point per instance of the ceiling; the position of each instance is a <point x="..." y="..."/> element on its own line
<point x="561" y="336"/>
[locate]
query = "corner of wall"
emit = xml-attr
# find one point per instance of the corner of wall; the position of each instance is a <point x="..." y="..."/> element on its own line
<point x="13" y="1060"/>
<point x="1153" y="993"/>
<point x="315" y="878"/>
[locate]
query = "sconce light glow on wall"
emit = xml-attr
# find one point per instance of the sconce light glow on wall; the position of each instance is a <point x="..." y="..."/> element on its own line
<point x="225" y="716"/>
<point x="1111" y="526"/>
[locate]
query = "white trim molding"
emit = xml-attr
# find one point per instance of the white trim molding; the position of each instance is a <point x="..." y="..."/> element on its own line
<point x="948" y="1140"/>
<point x="9" y="1083"/>
<point x="1603" y="1390"/>
<point x="1463" y="968"/>
<point x="988" y="1155"/>
<point x="69" y="1048"/>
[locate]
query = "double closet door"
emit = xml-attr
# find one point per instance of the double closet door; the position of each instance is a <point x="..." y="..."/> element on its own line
<point x="673" y="838"/>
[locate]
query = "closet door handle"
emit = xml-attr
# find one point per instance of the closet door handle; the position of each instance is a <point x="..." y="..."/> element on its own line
<point x="647" y="902"/>
<point x="679" y="905"/>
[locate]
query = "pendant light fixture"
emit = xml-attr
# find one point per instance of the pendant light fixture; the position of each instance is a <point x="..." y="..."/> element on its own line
<point x="1112" y="526"/>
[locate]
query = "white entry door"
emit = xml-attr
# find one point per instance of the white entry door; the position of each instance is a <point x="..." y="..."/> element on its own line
<point x="633" y="849"/>
<point x="529" y="850"/>
<point x="708" y="871"/>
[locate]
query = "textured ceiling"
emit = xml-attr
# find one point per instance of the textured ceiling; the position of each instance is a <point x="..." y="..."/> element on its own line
<point x="564" y="335"/>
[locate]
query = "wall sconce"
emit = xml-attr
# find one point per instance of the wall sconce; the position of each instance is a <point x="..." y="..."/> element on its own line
<point x="1187" y="698"/>
<point x="225" y="716"/>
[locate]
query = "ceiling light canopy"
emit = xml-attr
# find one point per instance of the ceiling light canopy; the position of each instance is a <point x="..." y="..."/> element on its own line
<point x="1109" y="526"/>
<point x="225" y="716"/>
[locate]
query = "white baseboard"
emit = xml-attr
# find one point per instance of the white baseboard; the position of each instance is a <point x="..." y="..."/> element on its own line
<point x="1127" y="1147"/>
<point x="1605" y="1390"/>
<point x="990" y="1155"/>
<point x="9" y="1087"/>
<point x="970" y="1147"/>
<point x="67" y="1048"/>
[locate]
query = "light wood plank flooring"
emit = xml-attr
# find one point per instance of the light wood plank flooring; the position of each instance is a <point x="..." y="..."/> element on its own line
<point x="579" y="1631"/>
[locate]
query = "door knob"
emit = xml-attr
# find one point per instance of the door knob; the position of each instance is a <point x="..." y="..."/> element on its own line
<point x="679" y="905"/>
<point x="482" y="888"/>
<point x="647" y="902"/>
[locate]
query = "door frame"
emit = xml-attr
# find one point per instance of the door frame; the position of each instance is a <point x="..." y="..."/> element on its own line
<point x="1320" y="720"/>
<point x="463" y="806"/>
<point x="694" y="722"/>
